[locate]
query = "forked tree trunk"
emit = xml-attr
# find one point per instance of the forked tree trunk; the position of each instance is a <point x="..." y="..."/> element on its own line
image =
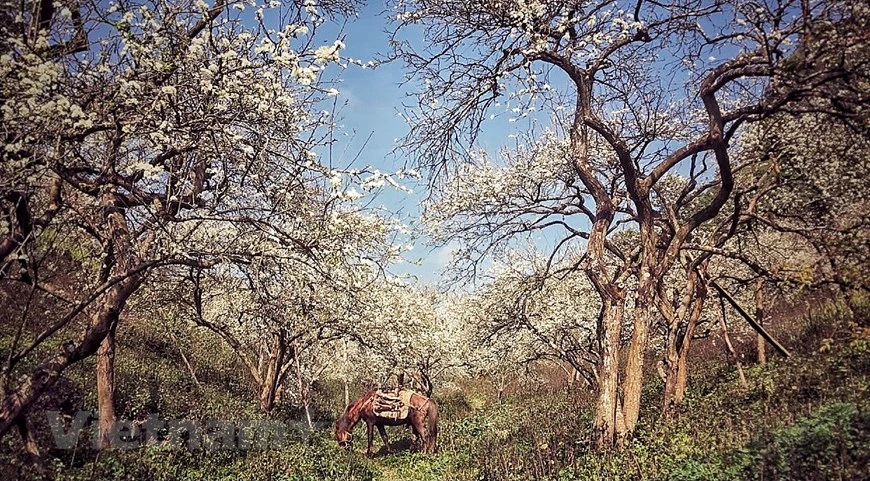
<point x="270" y="389"/>
<point x="673" y="389"/>
<point x="677" y="348"/>
<point x="268" y="366"/>
<point x="106" y="388"/>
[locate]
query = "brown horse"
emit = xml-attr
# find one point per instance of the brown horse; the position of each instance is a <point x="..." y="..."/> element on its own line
<point x="422" y="409"/>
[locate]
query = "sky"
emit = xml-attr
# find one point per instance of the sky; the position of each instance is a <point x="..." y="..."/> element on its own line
<point x="370" y="101"/>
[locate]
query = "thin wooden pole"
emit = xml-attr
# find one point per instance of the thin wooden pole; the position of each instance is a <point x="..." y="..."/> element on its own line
<point x="729" y="348"/>
<point x="755" y="325"/>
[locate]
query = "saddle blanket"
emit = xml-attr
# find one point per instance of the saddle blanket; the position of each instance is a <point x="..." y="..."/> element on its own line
<point x="393" y="404"/>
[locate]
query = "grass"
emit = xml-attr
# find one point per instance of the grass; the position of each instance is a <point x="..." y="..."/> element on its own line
<point x="805" y="418"/>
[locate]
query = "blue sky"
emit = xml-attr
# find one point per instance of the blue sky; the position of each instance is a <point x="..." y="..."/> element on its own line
<point x="369" y="104"/>
<point x="371" y="101"/>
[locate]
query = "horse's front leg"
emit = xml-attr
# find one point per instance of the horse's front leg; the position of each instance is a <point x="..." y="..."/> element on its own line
<point x="370" y="434"/>
<point x="384" y="437"/>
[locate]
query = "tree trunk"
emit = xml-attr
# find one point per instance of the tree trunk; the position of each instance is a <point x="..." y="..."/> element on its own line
<point x="608" y="423"/>
<point x="307" y="405"/>
<point x="675" y="384"/>
<point x="106" y="388"/>
<point x="669" y="369"/>
<point x="677" y="356"/>
<point x="272" y="380"/>
<point x="682" y="374"/>
<point x="759" y="317"/>
<point x="267" y="397"/>
<point x="269" y="390"/>
<point x="637" y="350"/>
<point x="302" y="386"/>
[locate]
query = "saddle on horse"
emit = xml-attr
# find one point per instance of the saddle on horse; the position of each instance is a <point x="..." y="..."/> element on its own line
<point x="392" y="403"/>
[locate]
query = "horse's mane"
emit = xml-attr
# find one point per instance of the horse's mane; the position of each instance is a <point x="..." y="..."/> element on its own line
<point x="351" y="413"/>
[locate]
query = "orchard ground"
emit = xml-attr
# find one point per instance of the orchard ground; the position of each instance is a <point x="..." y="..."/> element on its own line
<point x="803" y="418"/>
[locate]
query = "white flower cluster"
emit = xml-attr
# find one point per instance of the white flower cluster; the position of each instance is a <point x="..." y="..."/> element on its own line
<point x="328" y="53"/>
<point x="484" y="187"/>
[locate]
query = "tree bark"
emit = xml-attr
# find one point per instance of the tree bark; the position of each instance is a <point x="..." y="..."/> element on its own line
<point x="269" y="389"/>
<point x="645" y="297"/>
<point x="106" y="387"/>
<point x="637" y="349"/>
<point x="303" y="391"/>
<point x="608" y="423"/>
<point x="677" y="355"/>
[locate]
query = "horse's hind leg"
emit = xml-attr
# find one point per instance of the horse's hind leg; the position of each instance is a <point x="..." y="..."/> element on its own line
<point x="419" y="432"/>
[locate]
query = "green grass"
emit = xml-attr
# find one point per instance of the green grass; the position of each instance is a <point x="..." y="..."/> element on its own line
<point x="805" y="418"/>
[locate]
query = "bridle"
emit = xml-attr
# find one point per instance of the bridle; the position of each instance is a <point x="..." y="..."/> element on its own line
<point x="348" y="442"/>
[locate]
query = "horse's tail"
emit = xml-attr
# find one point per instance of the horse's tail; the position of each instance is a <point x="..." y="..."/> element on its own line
<point x="432" y="427"/>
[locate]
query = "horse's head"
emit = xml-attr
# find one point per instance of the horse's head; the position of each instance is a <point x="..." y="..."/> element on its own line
<point x="343" y="436"/>
<point x="344" y="432"/>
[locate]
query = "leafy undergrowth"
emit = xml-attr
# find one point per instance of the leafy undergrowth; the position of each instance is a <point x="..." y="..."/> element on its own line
<point x="805" y="418"/>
